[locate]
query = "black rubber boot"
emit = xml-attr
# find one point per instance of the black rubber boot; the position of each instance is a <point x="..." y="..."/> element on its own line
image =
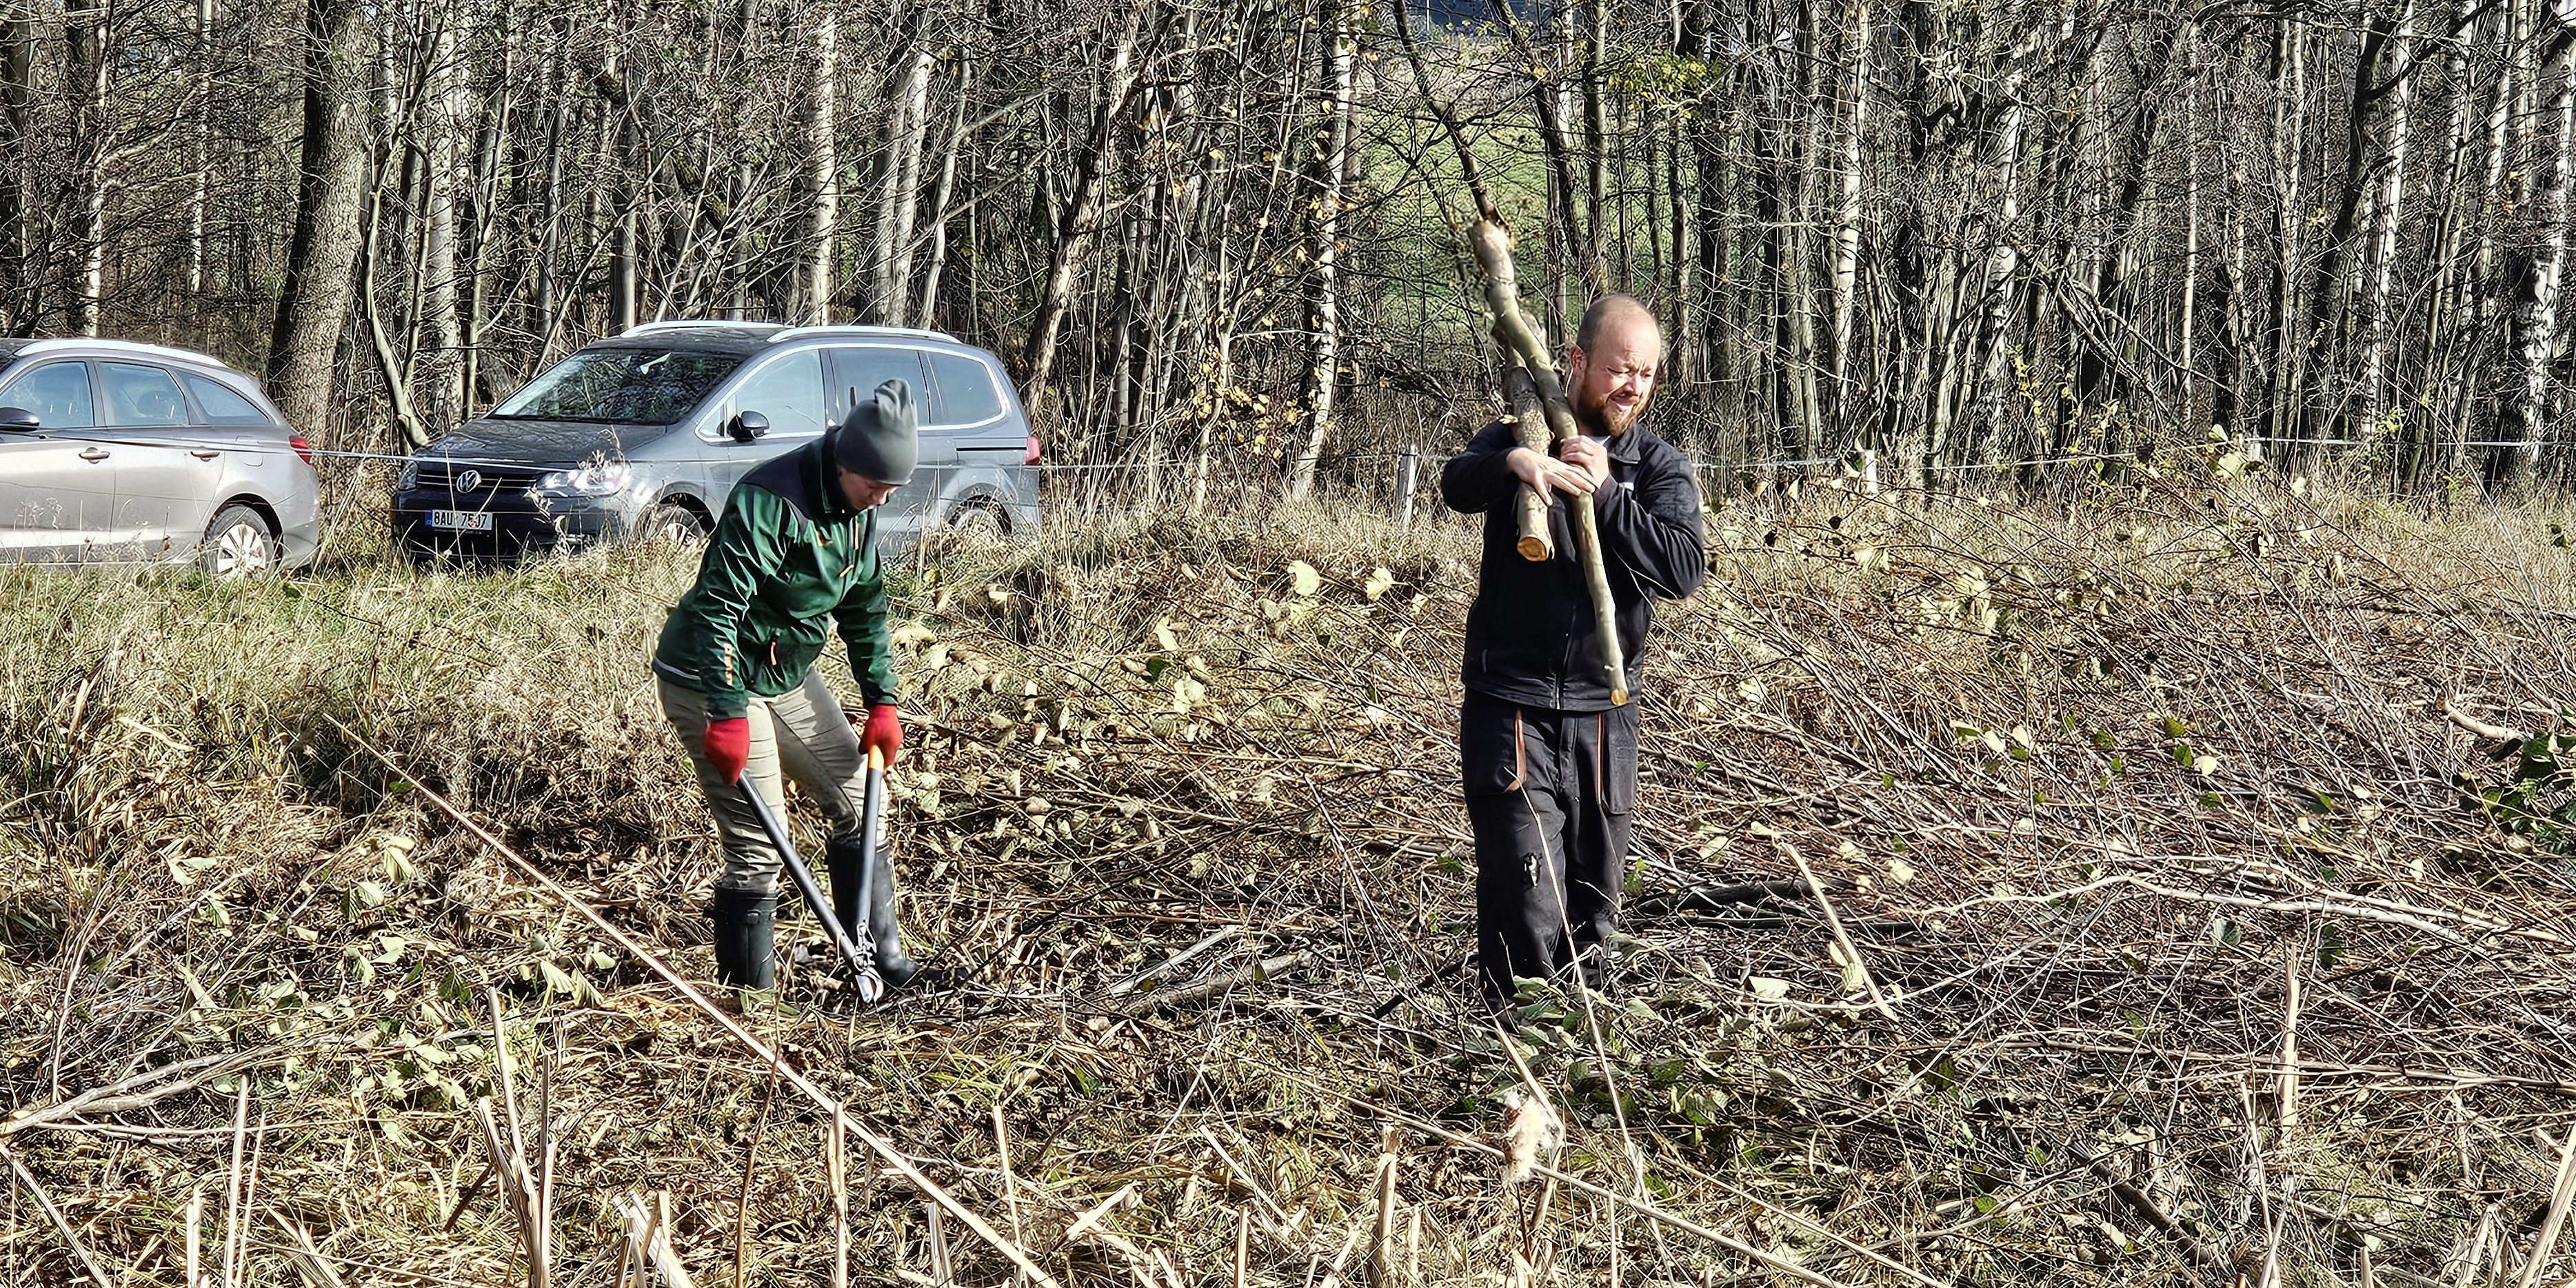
<point x="746" y="927"/>
<point x="893" y="966"/>
<point x="841" y="855"/>
<point x="844" y="854"/>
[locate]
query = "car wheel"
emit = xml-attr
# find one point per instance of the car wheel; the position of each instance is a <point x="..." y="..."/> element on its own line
<point x="673" y="522"/>
<point x="239" y="544"/>
<point x="978" y="523"/>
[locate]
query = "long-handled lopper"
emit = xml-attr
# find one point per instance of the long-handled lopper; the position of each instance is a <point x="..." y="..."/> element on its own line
<point x="871" y="825"/>
<point x="863" y="971"/>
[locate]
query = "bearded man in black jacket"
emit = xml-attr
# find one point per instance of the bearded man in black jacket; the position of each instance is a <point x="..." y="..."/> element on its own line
<point x="1550" y="763"/>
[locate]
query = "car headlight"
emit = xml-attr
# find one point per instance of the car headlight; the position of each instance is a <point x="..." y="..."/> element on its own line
<point x="590" y="480"/>
<point x="410" y="477"/>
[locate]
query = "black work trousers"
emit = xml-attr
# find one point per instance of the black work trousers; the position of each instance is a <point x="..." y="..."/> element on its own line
<point x="1549" y="794"/>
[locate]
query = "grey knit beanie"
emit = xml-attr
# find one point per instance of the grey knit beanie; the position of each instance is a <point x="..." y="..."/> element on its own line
<point x="877" y="440"/>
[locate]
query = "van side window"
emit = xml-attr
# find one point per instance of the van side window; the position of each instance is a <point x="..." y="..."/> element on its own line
<point x="58" y="392"/>
<point x="863" y="369"/>
<point x="221" y="404"/>
<point x="789" y="392"/>
<point x="967" y="395"/>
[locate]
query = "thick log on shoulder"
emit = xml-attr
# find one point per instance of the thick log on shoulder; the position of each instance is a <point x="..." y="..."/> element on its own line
<point x="1493" y="247"/>
<point x="1529" y="425"/>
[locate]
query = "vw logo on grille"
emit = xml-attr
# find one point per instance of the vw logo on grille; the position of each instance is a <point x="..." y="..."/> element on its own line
<point x="469" y="481"/>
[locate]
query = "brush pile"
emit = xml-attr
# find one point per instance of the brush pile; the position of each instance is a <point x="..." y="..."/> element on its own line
<point x="2169" y="883"/>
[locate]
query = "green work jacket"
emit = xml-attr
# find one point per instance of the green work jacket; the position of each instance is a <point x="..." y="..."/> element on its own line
<point x="788" y="556"/>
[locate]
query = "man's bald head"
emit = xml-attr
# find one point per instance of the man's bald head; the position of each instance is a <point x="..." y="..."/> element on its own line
<point x="1611" y="372"/>
<point x="1620" y="312"/>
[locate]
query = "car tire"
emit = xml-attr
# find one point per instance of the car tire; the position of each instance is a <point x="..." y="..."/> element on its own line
<point x="977" y="523"/>
<point x="673" y="522"/>
<point x="239" y="544"/>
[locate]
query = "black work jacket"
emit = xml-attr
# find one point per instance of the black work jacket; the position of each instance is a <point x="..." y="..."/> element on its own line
<point x="1530" y="634"/>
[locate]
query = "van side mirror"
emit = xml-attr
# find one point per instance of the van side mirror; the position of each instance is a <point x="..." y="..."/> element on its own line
<point x="743" y="428"/>
<point x="18" y="420"/>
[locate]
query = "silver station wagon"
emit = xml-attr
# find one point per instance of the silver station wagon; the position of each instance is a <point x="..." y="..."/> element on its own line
<point x="114" y="452"/>
<point x="647" y="433"/>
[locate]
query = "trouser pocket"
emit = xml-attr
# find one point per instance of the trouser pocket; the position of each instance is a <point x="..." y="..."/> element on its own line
<point x="1493" y="747"/>
<point x="1616" y="763"/>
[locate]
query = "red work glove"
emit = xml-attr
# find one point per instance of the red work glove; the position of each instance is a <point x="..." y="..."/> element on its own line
<point x="884" y="732"/>
<point x="728" y="746"/>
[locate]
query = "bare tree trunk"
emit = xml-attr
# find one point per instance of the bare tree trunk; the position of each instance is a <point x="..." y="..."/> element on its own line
<point x="450" y="99"/>
<point x="2003" y="263"/>
<point x="2384" y="225"/>
<point x="321" y="260"/>
<point x="17" y="103"/>
<point x="823" y="173"/>
<point x="1081" y="211"/>
<point x="927" y="310"/>
<point x="559" y="82"/>
<point x="2454" y="291"/>
<point x="2289" y="154"/>
<point x="85" y="31"/>
<point x="397" y="377"/>
<point x="490" y="138"/>
<point x="202" y="154"/>
<point x="2533" y="432"/>
<point x="903" y="197"/>
<point x="2232" y="394"/>
<point x="1847" y="217"/>
<point x="625" y="262"/>
<point x="1596" y="134"/>
<point x="1324" y="333"/>
<point x="2191" y="118"/>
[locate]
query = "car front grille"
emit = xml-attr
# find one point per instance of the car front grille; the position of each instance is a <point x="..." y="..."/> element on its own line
<point x="486" y="481"/>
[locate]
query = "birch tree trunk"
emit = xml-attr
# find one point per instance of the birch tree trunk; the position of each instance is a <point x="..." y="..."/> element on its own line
<point x="201" y="127"/>
<point x="2539" y="327"/>
<point x="2002" y="264"/>
<point x="85" y="33"/>
<point x="1324" y="323"/>
<point x="2390" y="203"/>
<point x="2289" y="127"/>
<point x="1847" y="217"/>
<point x="903" y="196"/>
<point x="2191" y="118"/>
<point x="823" y="171"/>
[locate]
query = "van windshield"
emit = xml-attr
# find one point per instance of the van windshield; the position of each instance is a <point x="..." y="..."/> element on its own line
<point x="625" y="386"/>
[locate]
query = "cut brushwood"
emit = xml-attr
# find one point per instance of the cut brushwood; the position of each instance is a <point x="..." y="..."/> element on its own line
<point x="1493" y="247"/>
<point x="1529" y="426"/>
<point x="648" y="1253"/>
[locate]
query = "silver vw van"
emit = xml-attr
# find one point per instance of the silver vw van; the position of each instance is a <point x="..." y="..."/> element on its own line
<point x="647" y="433"/>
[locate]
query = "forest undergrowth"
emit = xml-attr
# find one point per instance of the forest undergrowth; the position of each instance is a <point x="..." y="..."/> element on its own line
<point x="2165" y="880"/>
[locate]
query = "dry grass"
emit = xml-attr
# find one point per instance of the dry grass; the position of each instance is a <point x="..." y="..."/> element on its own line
<point x="2153" y="936"/>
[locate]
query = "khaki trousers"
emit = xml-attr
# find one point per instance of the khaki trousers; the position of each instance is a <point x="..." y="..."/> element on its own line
<point x="802" y="732"/>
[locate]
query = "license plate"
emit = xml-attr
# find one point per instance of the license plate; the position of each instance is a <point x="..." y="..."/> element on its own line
<point x="460" y="520"/>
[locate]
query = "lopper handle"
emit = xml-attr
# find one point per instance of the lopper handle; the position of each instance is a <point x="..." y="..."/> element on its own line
<point x="863" y="972"/>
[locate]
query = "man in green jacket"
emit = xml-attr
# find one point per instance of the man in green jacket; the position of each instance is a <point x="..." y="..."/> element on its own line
<point x="794" y="556"/>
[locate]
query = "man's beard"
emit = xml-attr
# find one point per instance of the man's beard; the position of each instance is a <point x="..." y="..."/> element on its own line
<point x="1601" y="420"/>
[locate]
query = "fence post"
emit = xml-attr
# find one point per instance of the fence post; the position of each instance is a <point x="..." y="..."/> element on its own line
<point x="1408" y="468"/>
